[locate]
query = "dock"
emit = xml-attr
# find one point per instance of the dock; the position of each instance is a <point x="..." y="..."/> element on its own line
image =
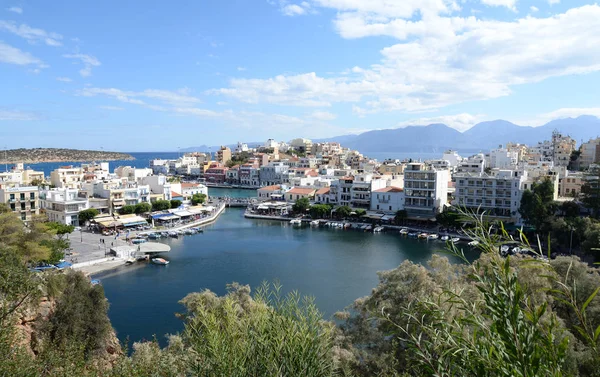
<point x="146" y="248"/>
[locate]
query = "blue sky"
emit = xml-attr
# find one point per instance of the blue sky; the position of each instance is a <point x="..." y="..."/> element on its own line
<point x="155" y="75"/>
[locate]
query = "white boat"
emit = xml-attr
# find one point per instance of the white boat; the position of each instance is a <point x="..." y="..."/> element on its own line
<point x="378" y="229"/>
<point x="433" y="237"/>
<point x="403" y="231"/>
<point x="444" y="238"/>
<point x="296" y="222"/>
<point x="173" y="234"/>
<point x="473" y="243"/>
<point x="161" y="261"/>
<point x="423" y="235"/>
<point x="314" y="223"/>
<point x="455" y="239"/>
<point x="130" y="260"/>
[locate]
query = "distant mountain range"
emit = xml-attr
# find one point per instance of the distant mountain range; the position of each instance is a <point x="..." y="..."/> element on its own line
<point x="436" y="138"/>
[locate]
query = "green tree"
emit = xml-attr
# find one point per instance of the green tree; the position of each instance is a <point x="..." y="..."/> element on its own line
<point x="60" y="229"/>
<point x="87" y="215"/>
<point x="37" y="182"/>
<point x="161" y="205"/>
<point x="175" y="203"/>
<point x="448" y="217"/>
<point x="570" y="209"/>
<point x="198" y="199"/>
<point x="360" y="212"/>
<point x="301" y="205"/>
<point x="400" y="217"/>
<point x="537" y="204"/>
<point x="141" y="208"/>
<point x="343" y="212"/>
<point x="127" y="210"/>
<point x="319" y="211"/>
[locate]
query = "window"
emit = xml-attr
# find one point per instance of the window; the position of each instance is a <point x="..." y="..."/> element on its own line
<point x="12" y="196"/>
<point x="32" y="195"/>
<point x="22" y="206"/>
<point x="22" y="196"/>
<point x="23" y="216"/>
<point x="390" y="208"/>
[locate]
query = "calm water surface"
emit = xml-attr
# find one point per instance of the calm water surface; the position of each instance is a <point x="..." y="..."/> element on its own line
<point x="334" y="266"/>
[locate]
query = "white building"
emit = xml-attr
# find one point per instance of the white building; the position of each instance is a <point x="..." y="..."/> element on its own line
<point x="498" y="193"/>
<point x="452" y="157"/>
<point x="22" y="200"/>
<point x="474" y="164"/>
<point x="191" y="189"/>
<point x="241" y="147"/>
<point x="132" y="174"/>
<point x="590" y="153"/>
<point x="67" y="177"/>
<point x="425" y="189"/>
<point x="63" y="205"/>
<point x="502" y="158"/>
<point x="388" y="199"/>
<point x="159" y="166"/>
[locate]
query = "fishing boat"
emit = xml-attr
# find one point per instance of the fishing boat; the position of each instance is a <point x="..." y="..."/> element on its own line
<point x="173" y="234"/>
<point x="444" y="238"/>
<point x="413" y="235"/>
<point x="296" y="222"/>
<point x="188" y="232"/>
<point x="403" y="231"/>
<point x="137" y="241"/>
<point x="160" y="261"/>
<point x="433" y="237"/>
<point x="154" y="236"/>
<point x="130" y="260"/>
<point x="378" y="229"/>
<point x="455" y="239"/>
<point x="473" y="243"/>
<point x="423" y="236"/>
<point x="314" y="223"/>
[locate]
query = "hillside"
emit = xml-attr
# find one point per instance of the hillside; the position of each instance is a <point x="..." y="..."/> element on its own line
<point x="36" y="155"/>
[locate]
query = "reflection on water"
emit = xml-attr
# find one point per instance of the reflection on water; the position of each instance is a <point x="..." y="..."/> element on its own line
<point x="334" y="266"/>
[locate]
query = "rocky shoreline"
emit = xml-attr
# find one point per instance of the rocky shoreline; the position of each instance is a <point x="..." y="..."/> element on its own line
<point x="40" y="155"/>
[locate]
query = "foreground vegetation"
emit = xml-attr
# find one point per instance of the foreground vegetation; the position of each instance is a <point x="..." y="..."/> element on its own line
<point x="516" y="316"/>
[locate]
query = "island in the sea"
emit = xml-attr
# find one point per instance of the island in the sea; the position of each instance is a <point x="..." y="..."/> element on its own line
<point x="37" y="155"/>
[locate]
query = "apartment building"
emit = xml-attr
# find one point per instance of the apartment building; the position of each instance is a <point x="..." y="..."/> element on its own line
<point x="19" y="176"/>
<point x="63" y="205"/>
<point x="249" y="175"/>
<point x="502" y="158"/>
<point x="425" y="189"/>
<point x="67" y="177"/>
<point x="474" y="164"/>
<point x="224" y="155"/>
<point x="498" y="193"/>
<point x="22" y="200"/>
<point x="590" y="153"/>
<point x="570" y="185"/>
<point x="216" y="173"/>
<point x="273" y="173"/>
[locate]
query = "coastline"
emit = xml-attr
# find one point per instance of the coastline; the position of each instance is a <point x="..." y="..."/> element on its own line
<point x="131" y="158"/>
<point x="96" y="266"/>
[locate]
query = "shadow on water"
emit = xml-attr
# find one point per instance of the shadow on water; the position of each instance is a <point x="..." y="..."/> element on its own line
<point x="334" y="266"/>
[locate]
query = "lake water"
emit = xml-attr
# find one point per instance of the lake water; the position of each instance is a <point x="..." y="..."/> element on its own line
<point x="334" y="266"/>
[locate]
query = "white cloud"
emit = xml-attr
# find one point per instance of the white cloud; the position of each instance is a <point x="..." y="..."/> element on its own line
<point x="180" y="97"/>
<point x="63" y="79"/>
<point x="88" y="62"/>
<point x="533" y="9"/>
<point x="17" y="115"/>
<point x="322" y="115"/>
<point x="32" y="35"/>
<point x="460" y="122"/>
<point x="112" y="108"/>
<point x="241" y="69"/>
<point x="15" y="10"/>
<point x="439" y="60"/>
<point x="293" y="10"/>
<point x="510" y="4"/>
<point x="13" y="55"/>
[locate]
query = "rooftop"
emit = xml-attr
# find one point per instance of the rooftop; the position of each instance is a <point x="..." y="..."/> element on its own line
<point x="390" y="189"/>
<point x="301" y="191"/>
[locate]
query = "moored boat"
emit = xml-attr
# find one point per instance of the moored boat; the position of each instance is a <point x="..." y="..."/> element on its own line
<point x="413" y="235"/>
<point x="130" y="260"/>
<point x="473" y="243"/>
<point x="404" y="231"/>
<point x="160" y="261"/>
<point x="296" y="222"/>
<point x="433" y="237"/>
<point x="455" y="239"/>
<point x="314" y="223"/>
<point x="444" y="238"/>
<point x="423" y="236"/>
<point x="173" y="234"/>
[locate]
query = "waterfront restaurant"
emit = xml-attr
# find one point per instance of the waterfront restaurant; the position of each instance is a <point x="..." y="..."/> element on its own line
<point x="271" y="209"/>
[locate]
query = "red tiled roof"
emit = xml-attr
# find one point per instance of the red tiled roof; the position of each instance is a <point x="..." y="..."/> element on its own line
<point x="174" y="194"/>
<point x="188" y="185"/>
<point x="323" y="191"/>
<point x="301" y="191"/>
<point x="390" y="189"/>
<point x="270" y="188"/>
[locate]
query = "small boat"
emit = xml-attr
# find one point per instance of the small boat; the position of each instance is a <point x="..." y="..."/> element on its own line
<point x="314" y="223"/>
<point x="444" y="238"/>
<point x="433" y="237"/>
<point x="130" y="260"/>
<point x="173" y="234"/>
<point x="161" y="261"/>
<point x="296" y="222"/>
<point x="404" y="231"/>
<point x="347" y="226"/>
<point x="378" y="229"/>
<point x="154" y="236"/>
<point x="455" y="239"/>
<point x="473" y="243"/>
<point x="504" y="248"/>
<point x="95" y="282"/>
<point x="423" y="235"/>
<point x="188" y="232"/>
<point x="413" y="235"/>
<point x="137" y="241"/>
<point x="516" y="250"/>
